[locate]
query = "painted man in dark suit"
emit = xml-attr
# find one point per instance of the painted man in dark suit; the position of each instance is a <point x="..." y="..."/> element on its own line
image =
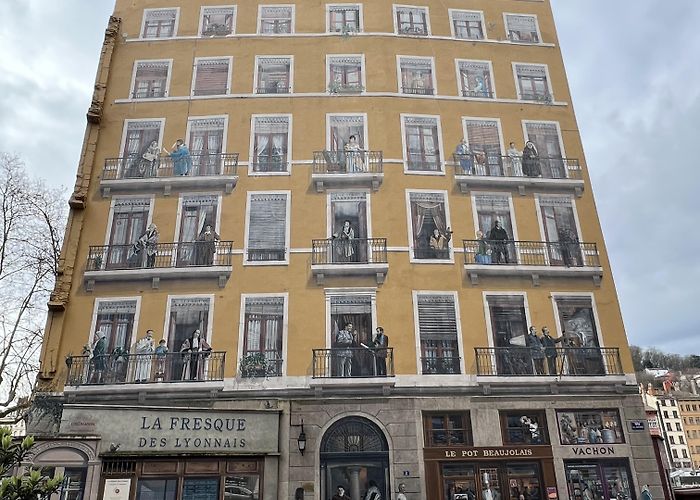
<point x="380" y="343"/>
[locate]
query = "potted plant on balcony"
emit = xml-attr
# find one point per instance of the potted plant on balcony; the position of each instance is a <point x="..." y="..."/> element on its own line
<point x="253" y="365"/>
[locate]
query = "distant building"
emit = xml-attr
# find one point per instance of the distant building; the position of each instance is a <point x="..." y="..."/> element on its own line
<point x="689" y="408"/>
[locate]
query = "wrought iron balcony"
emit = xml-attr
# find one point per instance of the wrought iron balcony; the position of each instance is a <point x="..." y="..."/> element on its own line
<point x="543" y="97"/>
<point x="552" y="362"/>
<point x="275" y="26"/>
<point x="154" y="93"/>
<point x="417" y="90"/>
<point x="345" y="88"/>
<point x="348" y="168"/>
<point x="442" y="365"/>
<point x="266" y="363"/>
<point x="415" y="30"/>
<point x="193" y="259"/>
<point x="488" y="169"/>
<point x="273" y="89"/>
<point x="353" y="362"/>
<point x="276" y="163"/>
<point x="484" y="94"/>
<point x="266" y="254"/>
<point x="349" y="257"/>
<point x="525" y="258"/>
<point x="136" y="173"/>
<point x="125" y="368"/>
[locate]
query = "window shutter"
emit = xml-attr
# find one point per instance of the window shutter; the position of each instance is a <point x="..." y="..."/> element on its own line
<point x="483" y="134"/>
<point x="437" y="318"/>
<point x="267" y="222"/>
<point x="211" y="77"/>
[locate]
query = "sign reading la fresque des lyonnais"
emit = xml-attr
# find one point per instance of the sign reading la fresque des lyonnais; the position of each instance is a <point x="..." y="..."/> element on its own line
<point x="175" y="430"/>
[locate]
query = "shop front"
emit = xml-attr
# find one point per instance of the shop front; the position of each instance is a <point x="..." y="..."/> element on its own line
<point x="176" y="454"/>
<point x="490" y="473"/>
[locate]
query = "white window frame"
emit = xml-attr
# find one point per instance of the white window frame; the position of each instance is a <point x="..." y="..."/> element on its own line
<point x="329" y="212"/>
<point x="404" y="145"/>
<point x="343" y="292"/>
<point x="95" y="310"/>
<point x="514" y="64"/>
<point x="125" y="130"/>
<point x="451" y="13"/>
<point x="113" y="203"/>
<point x="251" y="152"/>
<point x="416" y="326"/>
<point x="538" y="209"/>
<point x="465" y="119"/>
<point x="487" y="311"/>
<point x="411" y="248"/>
<point x="132" y="87"/>
<point x="175" y="26"/>
<point x="513" y="220"/>
<point x="188" y="130"/>
<point x="210" y="319"/>
<point x="537" y="25"/>
<point x="365" y="136"/>
<point x="285" y="326"/>
<point x="394" y="10"/>
<point x="180" y="200"/>
<point x="362" y="69"/>
<point x="293" y="23"/>
<point x="399" y="80"/>
<point x="459" y="79"/>
<point x="361" y="21"/>
<point x="576" y="295"/>
<point x="228" y="78"/>
<point x="556" y="124"/>
<point x="287" y="227"/>
<point x="257" y="69"/>
<point x="233" y="21"/>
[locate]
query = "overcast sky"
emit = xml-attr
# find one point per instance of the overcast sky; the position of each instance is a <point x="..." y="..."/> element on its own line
<point x="632" y="67"/>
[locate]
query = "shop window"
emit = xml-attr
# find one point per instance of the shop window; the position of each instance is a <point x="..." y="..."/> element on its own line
<point x="513" y="481"/>
<point x="599" y="479"/>
<point x="590" y="427"/>
<point x="218" y="21"/>
<point x="524" y="428"/>
<point x="267" y="231"/>
<point x="467" y="25"/>
<point x="159" y="23"/>
<point x="522" y="28"/>
<point x="411" y="20"/>
<point x="447" y="429"/>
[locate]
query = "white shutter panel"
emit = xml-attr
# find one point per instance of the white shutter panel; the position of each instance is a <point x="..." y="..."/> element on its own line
<point x="437" y="319"/>
<point x="267" y="227"/>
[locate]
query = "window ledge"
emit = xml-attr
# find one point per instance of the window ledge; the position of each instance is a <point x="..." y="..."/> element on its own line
<point x="466" y="182"/>
<point x="222" y="273"/>
<point x="228" y="182"/>
<point x="473" y="271"/>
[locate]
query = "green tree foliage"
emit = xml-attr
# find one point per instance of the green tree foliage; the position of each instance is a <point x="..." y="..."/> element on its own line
<point x="25" y="485"/>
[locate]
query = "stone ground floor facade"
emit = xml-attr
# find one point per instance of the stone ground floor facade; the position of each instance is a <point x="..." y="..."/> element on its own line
<point x="435" y="447"/>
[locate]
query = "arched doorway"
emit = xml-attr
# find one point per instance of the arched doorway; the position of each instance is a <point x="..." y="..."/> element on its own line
<point x="354" y="453"/>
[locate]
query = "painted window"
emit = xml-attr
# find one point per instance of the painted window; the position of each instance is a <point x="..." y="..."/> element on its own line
<point x="151" y="79"/>
<point x="115" y="318"/>
<point x="422" y="143"/>
<point x="411" y="20"/>
<point x="274" y="75"/>
<point x="275" y="20"/>
<point x="508" y="319"/>
<point x="484" y="140"/>
<point x="263" y="327"/>
<point x="495" y="221"/>
<point x="206" y="143"/>
<point x="211" y="76"/>
<point x="267" y="227"/>
<point x="532" y="82"/>
<point x="129" y="220"/>
<point x="430" y="229"/>
<point x="159" y="23"/>
<point x="599" y="479"/>
<point x="468" y="25"/>
<point x="416" y="76"/>
<point x="270" y="144"/>
<point x="437" y="326"/>
<point x="187" y="314"/>
<point x="345" y="74"/>
<point x="525" y="427"/>
<point x="559" y="223"/>
<point x="353" y="313"/>
<point x="344" y="18"/>
<point x="197" y="212"/>
<point x="475" y="79"/>
<point x="522" y="28"/>
<point x="447" y="429"/>
<point x="590" y="427"/>
<point x="218" y="21"/>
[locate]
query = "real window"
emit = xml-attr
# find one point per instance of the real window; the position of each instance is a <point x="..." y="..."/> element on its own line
<point x="672" y="439"/>
<point x="678" y="427"/>
<point x="115" y="318"/>
<point x="73" y="485"/>
<point x="508" y="319"/>
<point x="438" y="331"/>
<point x="674" y="451"/>
<point x="668" y="426"/>
<point x="475" y="79"/>
<point x="129" y="221"/>
<point x="447" y="429"/>
<point x="270" y="144"/>
<point x="533" y="84"/>
<point x="422" y="144"/>
<point x="196" y="213"/>
<point x="417" y="76"/>
<point x="522" y="28"/>
<point x="484" y="139"/>
<point x="267" y="227"/>
<point x="211" y="76"/>
<point x="468" y="25"/>
<point x="206" y="141"/>
<point x="218" y="21"/>
<point x="159" y="23"/>
<point x="275" y="20"/>
<point x="263" y="331"/>
<point x="345" y="74"/>
<point x="681" y="440"/>
<point x="495" y="221"/>
<point x="151" y="79"/>
<point x="344" y="18"/>
<point x="430" y="234"/>
<point x="524" y="427"/>
<point x="665" y="414"/>
<point x="411" y="20"/>
<point x="590" y="427"/>
<point x="599" y="479"/>
<point x="273" y="75"/>
<point x="675" y="414"/>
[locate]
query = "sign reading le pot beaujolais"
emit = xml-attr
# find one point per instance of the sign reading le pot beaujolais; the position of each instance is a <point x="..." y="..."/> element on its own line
<point x="175" y="430"/>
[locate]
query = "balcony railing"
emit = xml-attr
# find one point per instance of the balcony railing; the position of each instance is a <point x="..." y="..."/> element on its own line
<point x="136" y="167"/>
<point x="270" y="163"/>
<point x="444" y="365"/>
<point x="145" y="368"/>
<point x="345" y="88"/>
<point x="266" y="254"/>
<point x="349" y="251"/>
<point x="531" y="253"/>
<point x="149" y="94"/>
<point x="544" y="97"/>
<point x="261" y="364"/>
<point x="275" y="27"/>
<point x="353" y="362"/>
<point x="484" y="94"/>
<point x="417" y="90"/>
<point x="419" y="161"/>
<point x="167" y="255"/>
<point x="348" y="162"/>
<point x="493" y="165"/>
<point x="552" y="362"/>
<point x="416" y="30"/>
<point x="273" y="89"/>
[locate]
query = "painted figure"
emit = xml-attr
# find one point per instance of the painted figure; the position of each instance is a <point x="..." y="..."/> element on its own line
<point x="498" y="237"/>
<point x="531" y="160"/>
<point x="194" y="351"/>
<point x="465" y="157"/>
<point x="516" y="166"/>
<point x="343" y="242"/>
<point x="373" y="492"/>
<point x="99" y="358"/>
<point x="402" y="492"/>
<point x="380" y="343"/>
<point x="182" y="161"/>
<point x="144" y="350"/>
<point x="439" y="243"/>
<point x="161" y="353"/>
<point x="205" y="246"/>
<point x="536" y="350"/>
<point x="353" y="155"/>
<point x="344" y="341"/>
<point x="340" y="494"/>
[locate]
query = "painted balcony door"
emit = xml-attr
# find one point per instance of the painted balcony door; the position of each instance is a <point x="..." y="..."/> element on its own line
<point x="559" y="223"/>
<point x="509" y="327"/>
<point x="423" y="149"/>
<point x="545" y="136"/>
<point x="127" y="227"/>
<point x="197" y="213"/>
<point x="349" y="227"/>
<point x="206" y="145"/>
